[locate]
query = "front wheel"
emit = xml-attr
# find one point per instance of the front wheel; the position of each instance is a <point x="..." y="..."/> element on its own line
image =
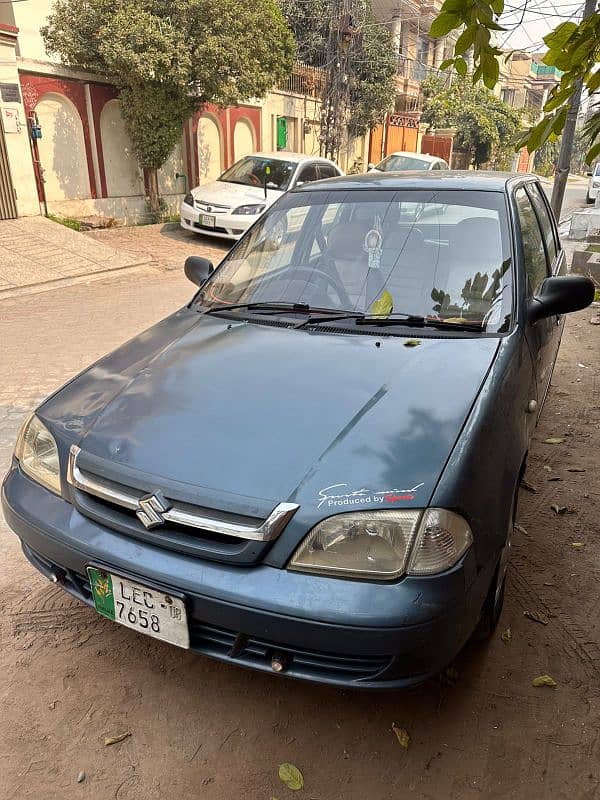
<point x="492" y="608"/>
<point x="589" y="199"/>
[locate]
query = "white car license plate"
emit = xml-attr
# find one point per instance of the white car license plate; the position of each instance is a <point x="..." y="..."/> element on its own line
<point x="136" y="606"/>
<point x="207" y="220"/>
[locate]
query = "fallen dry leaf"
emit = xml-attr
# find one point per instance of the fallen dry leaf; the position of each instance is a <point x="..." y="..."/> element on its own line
<point x="547" y="468"/>
<point x="544" y="680"/>
<point x="535" y="617"/>
<point x="575" y="469"/>
<point x="526" y="485"/>
<point x="553" y="440"/>
<point x="291" y="776"/>
<point x="558" y="509"/>
<point x="522" y="530"/>
<point x="577" y="545"/>
<point x="402" y="736"/>
<point x="81" y="777"/>
<point x="116" y="739"/>
<point x="506" y="636"/>
<point x="555" y="478"/>
<point x="412" y="343"/>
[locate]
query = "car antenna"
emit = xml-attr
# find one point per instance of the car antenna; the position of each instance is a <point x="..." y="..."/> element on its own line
<point x="267" y="173"/>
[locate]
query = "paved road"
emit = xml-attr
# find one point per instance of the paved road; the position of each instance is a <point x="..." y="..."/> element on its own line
<point x="200" y="729"/>
<point x="574" y="196"/>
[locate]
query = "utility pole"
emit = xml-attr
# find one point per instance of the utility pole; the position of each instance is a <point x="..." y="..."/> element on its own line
<point x="336" y="95"/>
<point x="568" y="136"/>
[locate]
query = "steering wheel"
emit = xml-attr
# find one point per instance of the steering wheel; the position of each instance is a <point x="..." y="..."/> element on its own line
<point x="310" y="275"/>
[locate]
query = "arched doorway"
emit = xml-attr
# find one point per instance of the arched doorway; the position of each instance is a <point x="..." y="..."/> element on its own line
<point x="123" y="176"/>
<point x="243" y="139"/>
<point x="210" y="148"/>
<point x="62" y="149"/>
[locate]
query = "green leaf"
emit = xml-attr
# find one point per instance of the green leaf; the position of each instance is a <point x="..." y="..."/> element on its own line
<point x="558" y="38"/>
<point x="465" y="40"/>
<point x="559" y="121"/>
<point x="498" y="6"/>
<point x="383" y="305"/>
<point x="291" y="776"/>
<point x="443" y="24"/>
<point x="592" y="153"/>
<point x="557" y="98"/>
<point x="544" y="680"/>
<point x="491" y="71"/>
<point x="447" y="63"/>
<point x="460" y="65"/>
<point x="540" y="133"/>
<point x="593" y="83"/>
<point x="454" y="6"/>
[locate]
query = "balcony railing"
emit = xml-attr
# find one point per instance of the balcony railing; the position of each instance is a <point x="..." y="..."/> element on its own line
<point x="305" y="80"/>
<point x="417" y="71"/>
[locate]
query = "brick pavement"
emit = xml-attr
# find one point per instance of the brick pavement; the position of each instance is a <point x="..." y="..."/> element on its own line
<point x="35" y="250"/>
<point x="164" y="245"/>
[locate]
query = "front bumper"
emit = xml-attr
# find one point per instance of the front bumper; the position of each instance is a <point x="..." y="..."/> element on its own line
<point x="249" y="615"/>
<point x="227" y="226"/>
<point x="593" y="191"/>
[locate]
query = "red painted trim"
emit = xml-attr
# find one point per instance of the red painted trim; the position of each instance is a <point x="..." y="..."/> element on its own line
<point x="11" y="29"/>
<point x="101" y="94"/>
<point x="34" y="87"/>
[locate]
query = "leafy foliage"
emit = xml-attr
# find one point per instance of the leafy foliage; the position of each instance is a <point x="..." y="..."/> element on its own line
<point x="486" y="126"/>
<point x="169" y="57"/>
<point x="572" y="48"/>
<point x="372" y="59"/>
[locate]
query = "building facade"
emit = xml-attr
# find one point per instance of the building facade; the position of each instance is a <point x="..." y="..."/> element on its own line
<point x="67" y="151"/>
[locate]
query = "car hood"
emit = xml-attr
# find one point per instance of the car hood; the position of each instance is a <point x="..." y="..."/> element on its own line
<point x="252" y="415"/>
<point x="234" y="194"/>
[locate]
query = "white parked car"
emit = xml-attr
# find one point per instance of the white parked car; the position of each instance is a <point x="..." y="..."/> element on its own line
<point x="228" y="206"/>
<point x="593" y="184"/>
<point x="401" y="162"/>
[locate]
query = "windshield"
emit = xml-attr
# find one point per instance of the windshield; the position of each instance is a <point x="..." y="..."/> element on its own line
<point x="441" y="255"/>
<point x="402" y="163"/>
<point x="252" y="170"/>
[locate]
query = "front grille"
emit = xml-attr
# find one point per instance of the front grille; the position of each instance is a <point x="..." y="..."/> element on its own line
<point x="218" y="208"/>
<point x="171" y="522"/>
<point x="239" y="648"/>
<point x="216" y="229"/>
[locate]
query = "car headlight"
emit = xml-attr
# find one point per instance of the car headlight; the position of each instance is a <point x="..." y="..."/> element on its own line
<point x="189" y="199"/>
<point x="37" y="453"/>
<point x="249" y="210"/>
<point x="595" y="184"/>
<point x="383" y="545"/>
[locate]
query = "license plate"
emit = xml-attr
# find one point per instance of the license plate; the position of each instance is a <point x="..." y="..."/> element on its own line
<point x="136" y="606"/>
<point x="207" y="220"/>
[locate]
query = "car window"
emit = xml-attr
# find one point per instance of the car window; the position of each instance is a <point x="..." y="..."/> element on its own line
<point x="328" y="171"/>
<point x="438" y="254"/>
<point x="436" y="165"/>
<point x="308" y="173"/>
<point x="544" y="219"/>
<point x="254" y="170"/>
<point x="597" y="170"/>
<point x="534" y="254"/>
<point x="396" y="163"/>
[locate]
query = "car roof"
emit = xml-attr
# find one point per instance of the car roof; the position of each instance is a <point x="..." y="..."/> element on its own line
<point x="480" y="180"/>
<point x="283" y="155"/>
<point x="420" y="156"/>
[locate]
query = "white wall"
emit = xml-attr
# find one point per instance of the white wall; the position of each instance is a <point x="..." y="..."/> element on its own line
<point x="210" y="148"/>
<point x="167" y="183"/>
<point x="243" y="139"/>
<point x="62" y="149"/>
<point x="29" y="16"/>
<point x="123" y="176"/>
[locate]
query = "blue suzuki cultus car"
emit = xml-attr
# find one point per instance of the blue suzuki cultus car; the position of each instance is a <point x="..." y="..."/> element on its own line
<point x="312" y="468"/>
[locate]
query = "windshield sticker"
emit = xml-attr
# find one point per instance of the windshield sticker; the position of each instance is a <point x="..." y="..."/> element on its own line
<point x="363" y="496"/>
<point x="372" y="245"/>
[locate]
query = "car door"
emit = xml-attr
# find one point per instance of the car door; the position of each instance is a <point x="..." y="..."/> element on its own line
<point x="542" y="335"/>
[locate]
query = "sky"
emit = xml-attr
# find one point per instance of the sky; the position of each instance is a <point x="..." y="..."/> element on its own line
<point x="528" y="21"/>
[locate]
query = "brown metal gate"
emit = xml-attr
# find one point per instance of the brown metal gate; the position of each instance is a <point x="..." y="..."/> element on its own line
<point x="8" y="198"/>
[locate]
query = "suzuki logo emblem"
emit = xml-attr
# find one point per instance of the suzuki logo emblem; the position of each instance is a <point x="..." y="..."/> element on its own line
<point x="151" y="510"/>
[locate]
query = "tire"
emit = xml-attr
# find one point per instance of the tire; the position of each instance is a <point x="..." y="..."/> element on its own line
<point x="492" y="608"/>
<point x="589" y="200"/>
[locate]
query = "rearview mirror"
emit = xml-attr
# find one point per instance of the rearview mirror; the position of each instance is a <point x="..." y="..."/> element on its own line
<point x="198" y="269"/>
<point x="560" y="295"/>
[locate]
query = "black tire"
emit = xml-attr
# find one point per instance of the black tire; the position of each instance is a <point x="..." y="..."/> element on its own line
<point x="490" y="614"/>
<point x="588" y="199"/>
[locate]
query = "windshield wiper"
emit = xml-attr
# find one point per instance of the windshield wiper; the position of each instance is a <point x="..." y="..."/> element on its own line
<point x="303" y="308"/>
<point x="399" y="318"/>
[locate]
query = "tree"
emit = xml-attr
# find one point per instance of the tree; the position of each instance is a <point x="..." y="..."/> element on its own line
<point x="170" y="57"/>
<point x="572" y="48"/>
<point x="372" y="61"/>
<point x="486" y="126"/>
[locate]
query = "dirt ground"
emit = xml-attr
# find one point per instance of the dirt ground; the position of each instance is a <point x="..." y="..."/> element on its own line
<point x="201" y="729"/>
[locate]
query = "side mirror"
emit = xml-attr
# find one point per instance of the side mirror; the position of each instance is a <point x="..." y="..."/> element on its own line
<point x="560" y="295"/>
<point x="198" y="269"/>
<point x="589" y="174"/>
<point x="370" y="166"/>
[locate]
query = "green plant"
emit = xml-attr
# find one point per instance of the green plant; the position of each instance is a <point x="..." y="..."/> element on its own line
<point x="573" y="48"/>
<point x="169" y="57"/>
<point x="68" y="222"/>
